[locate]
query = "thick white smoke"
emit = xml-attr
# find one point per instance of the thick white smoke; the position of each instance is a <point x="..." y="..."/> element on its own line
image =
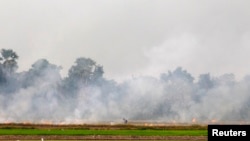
<point x="41" y="95"/>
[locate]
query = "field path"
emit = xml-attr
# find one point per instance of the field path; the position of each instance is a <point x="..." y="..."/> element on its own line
<point x="100" y="137"/>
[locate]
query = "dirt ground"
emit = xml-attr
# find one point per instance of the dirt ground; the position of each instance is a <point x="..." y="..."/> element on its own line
<point x="99" y="137"/>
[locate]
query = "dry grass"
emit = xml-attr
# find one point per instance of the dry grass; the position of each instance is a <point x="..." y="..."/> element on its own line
<point x="105" y="126"/>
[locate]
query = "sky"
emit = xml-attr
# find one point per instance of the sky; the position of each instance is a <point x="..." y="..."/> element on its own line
<point x="130" y="38"/>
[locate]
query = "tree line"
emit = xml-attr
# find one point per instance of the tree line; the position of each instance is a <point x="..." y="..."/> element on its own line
<point x="84" y="72"/>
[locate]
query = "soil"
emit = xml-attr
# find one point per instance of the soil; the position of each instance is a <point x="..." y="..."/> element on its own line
<point x="101" y="137"/>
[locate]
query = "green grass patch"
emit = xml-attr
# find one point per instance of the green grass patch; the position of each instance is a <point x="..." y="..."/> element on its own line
<point x="147" y="132"/>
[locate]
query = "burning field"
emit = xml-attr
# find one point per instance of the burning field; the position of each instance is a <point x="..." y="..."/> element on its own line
<point x="122" y="69"/>
<point x="144" y="107"/>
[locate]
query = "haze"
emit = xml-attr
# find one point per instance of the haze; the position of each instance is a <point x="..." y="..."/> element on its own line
<point x="131" y="37"/>
<point x="169" y="61"/>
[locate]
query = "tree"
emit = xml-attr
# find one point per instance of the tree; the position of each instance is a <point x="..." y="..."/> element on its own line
<point x="9" y="58"/>
<point x="85" y="71"/>
<point x="98" y="73"/>
<point x="205" y="81"/>
<point x="42" y="70"/>
<point x="2" y="75"/>
<point x="8" y="64"/>
<point x="178" y="74"/>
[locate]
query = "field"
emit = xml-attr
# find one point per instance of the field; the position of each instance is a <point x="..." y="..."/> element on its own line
<point x="20" y="131"/>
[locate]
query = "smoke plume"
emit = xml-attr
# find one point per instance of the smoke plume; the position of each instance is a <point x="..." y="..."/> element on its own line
<point x="41" y="95"/>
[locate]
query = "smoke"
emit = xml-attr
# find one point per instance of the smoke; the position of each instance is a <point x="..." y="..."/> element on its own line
<point x="42" y="95"/>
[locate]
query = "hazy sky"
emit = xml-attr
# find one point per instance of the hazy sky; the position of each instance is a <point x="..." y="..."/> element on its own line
<point x="131" y="37"/>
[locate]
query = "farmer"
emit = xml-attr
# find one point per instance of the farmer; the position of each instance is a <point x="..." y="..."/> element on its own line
<point x="125" y="120"/>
